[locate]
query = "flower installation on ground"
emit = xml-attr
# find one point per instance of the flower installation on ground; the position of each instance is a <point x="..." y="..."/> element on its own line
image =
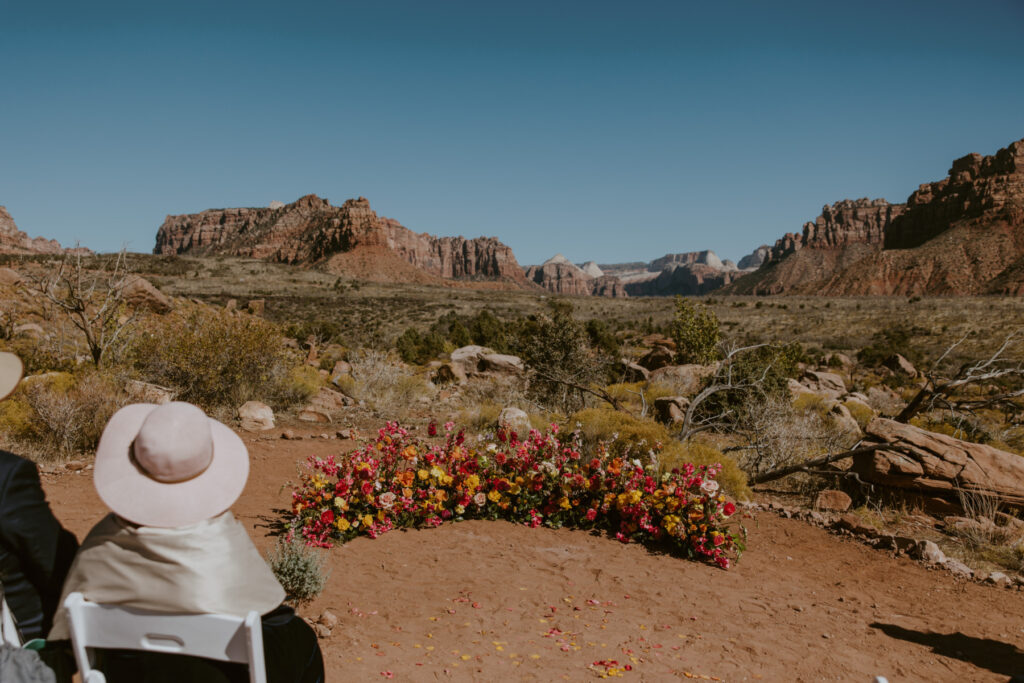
<point x="398" y="480"/>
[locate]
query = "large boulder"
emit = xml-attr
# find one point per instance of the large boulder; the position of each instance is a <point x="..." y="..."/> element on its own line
<point x="901" y="366"/>
<point x="500" y="364"/>
<point x="330" y="400"/>
<point x="10" y="277"/>
<point x="140" y="293"/>
<point x="824" y="384"/>
<point x="470" y="361"/>
<point x="936" y="464"/>
<point x="658" y="357"/>
<point x="685" y="380"/>
<point x="256" y="416"/>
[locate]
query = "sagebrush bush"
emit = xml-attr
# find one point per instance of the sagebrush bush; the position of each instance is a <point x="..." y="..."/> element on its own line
<point x="647" y="440"/>
<point x="214" y="359"/>
<point x="860" y="412"/>
<point x="299" y="569"/>
<point x="60" y="415"/>
<point x="382" y="380"/>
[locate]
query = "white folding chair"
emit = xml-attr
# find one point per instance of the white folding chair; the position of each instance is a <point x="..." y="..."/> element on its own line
<point x="213" y="636"/>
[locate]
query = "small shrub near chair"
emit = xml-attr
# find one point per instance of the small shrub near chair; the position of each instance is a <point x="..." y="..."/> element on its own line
<point x="299" y="569"/>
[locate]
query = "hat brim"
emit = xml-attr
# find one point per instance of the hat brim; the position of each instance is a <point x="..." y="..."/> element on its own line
<point x="11" y="370"/>
<point x="132" y="494"/>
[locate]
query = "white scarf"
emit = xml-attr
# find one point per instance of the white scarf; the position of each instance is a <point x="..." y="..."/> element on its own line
<point x="207" y="568"/>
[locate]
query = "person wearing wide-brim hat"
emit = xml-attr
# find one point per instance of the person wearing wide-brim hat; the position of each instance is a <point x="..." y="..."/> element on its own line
<point x="169" y="474"/>
<point x="35" y="550"/>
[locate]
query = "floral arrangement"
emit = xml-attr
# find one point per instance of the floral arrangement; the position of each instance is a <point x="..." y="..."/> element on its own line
<point x="398" y="480"/>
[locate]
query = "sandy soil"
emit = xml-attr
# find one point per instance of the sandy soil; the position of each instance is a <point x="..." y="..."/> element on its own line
<point x="488" y="601"/>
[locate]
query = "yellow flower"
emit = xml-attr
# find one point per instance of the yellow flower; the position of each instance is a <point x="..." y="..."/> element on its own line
<point x="423" y="474"/>
<point x="436" y="472"/>
<point x="514" y="489"/>
<point x="494" y="496"/>
<point x="342" y="523"/>
<point x="381" y="515"/>
<point x="459" y="509"/>
<point x="473" y="481"/>
<point x="367" y="520"/>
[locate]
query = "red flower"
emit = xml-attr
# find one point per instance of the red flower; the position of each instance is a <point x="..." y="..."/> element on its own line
<point x="327" y="517"/>
<point x="728" y="509"/>
<point x="366" y="488"/>
<point x="591" y="514"/>
<point x="432" y="429"/>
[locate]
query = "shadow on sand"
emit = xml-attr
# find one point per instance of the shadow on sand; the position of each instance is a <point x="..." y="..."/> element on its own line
<point x="997" y="657"/>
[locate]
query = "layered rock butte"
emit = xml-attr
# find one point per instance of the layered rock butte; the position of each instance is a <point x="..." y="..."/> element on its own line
<point x="311" y="230"/>
<point x="962" y="235"/>
<point x="14" y="241"/>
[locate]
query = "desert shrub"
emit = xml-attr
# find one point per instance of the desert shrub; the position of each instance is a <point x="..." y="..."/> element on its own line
<point x="382" y="380"/>
<point x="891" y="340"/>
<point x="630" y="437"/>
<point x="486" y="329"/>
<point x="808" y="402"/>
<point x="299" y="569"/>
<point x="298" y="384"/>
<point x="41" y="355"/>
<point x="559" y="359"/>
<point x="62" y="414"/>
<point x="779" y="432"/>
<point x="214" y="359"/>
<point x="757" y="373"/>
<point x="602" y="338"/>
<point x="320" y="331"/>
<point x="696" y="332"/>
<point x="417" y="348"/>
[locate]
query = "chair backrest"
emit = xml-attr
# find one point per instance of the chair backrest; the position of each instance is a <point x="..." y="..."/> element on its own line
<point x="221" y="637"/>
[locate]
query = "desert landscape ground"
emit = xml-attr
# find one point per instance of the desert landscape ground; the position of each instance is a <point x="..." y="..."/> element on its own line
<point x="494" y="601"/>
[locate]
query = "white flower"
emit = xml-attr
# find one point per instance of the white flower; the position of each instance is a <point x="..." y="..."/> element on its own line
<point x="709" y="486"/>
<point x="480" y="499"/>
<point x="637" y="463"/>
<point x="387" y="500"/>
<point x="492" y="447"/>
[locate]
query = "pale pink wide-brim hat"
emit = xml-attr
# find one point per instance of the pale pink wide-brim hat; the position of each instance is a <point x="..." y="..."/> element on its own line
<point x="169" y="465"/>
<point x="11" y="370"/>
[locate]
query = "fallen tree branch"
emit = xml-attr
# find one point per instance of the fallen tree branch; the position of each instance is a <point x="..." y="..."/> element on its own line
<point x="809" y="465"/>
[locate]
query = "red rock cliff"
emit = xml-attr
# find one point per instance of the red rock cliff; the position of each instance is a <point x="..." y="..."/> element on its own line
<point x="310" y="230"/>
<point x="14" y="241"/>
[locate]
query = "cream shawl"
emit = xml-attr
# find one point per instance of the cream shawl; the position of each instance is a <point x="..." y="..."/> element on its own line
<point x="207" y="568"/>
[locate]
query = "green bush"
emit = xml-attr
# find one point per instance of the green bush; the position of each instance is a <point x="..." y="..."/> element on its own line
<point x="214" y="359"/>
<point x="299" y="569"/>
<point x="418" y="348"/>
<point x="696" y="332"/>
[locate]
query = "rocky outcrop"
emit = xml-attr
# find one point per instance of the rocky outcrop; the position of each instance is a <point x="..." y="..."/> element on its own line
<point x="14" y="241"/>
<point x="561" y="276"/>
<point x="963" y="235"/>
<point x="756" y="258"/>
<point x="937" y="464"/>
<point x="977" y="186"/>
<point x="311" y="230"/>
<point x="706" y="258"/>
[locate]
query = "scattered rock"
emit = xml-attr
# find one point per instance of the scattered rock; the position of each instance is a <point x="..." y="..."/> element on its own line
<point x="144" y="392"/>
<point x="840" y="360"/>
<point x="929" y="552"/>
<point x="257" y="306"/>
<point x="856" y="525"/>
<point x="658" y="357"/>
<point x="515" y="419"/>
<point x="10" y="277"/>
<point x="330" y="400"/>
<point x="832" y="500"/>
<point x="825" y="384"/>
<point x="446" y="374"/>
<point x="685" y="380"/>
<point x="341" y="369"/>
<point x="900" y="366"/>
<point x="844" y="420"/>
<point x="289" y="434"/>
<point x="322" y="631"/>
<point x="958" y="568"/>
<point x="256" y="416"/>
<point x="313" y="413"/>
<point x="328" y="619"/>
<point x="999" y="579"/>
<point x="139" y="292"/>
<point x="671" y="409"/>
<point x="74" y="465"/>
<point x="884" y="400"/>
<point x="349" y="433"/>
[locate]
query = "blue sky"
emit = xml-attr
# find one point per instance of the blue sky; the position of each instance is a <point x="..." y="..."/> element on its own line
<point x="610" y="131"/>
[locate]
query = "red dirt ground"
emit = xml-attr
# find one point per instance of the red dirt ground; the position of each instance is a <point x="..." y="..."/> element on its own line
<point x="490" y="601"/>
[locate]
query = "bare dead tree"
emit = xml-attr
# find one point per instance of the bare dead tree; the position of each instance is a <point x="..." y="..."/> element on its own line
<point x="725" y="379"/>
<point x="91" y="299"/>
<point x="940" y="390"/>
